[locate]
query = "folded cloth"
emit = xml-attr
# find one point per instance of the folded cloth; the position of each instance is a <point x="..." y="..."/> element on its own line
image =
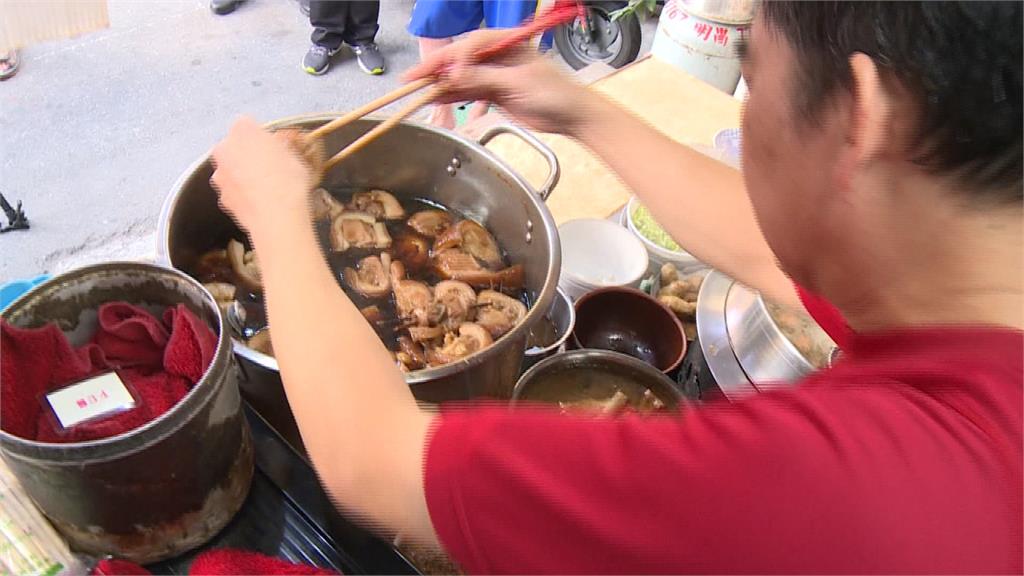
<point x="219" y="562"/>
<point x="228" y="562"/>
<point x="114" y="567"/>
<point x="159" y="362"/>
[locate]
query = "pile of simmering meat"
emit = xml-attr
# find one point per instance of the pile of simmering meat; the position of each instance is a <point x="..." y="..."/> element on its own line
<point x="435" y="287"/>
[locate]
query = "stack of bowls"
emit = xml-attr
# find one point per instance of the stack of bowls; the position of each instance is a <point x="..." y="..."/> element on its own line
<point x="599" y="254"/>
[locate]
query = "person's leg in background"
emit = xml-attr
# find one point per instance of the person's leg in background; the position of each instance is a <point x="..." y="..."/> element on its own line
<point x="436" y="23"/>
<point x="328" y="18"/>
<point x="441" y="115"/>
<point x="502" y="14"/>
<point x="360" y="32"/>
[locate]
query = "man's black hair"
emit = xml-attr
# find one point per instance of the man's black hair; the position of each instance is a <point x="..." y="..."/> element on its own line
<point x="959" y="61"/>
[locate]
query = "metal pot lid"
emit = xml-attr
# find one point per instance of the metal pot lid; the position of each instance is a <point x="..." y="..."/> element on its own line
<point x="713" y="335"/>
<point x="766" y="355"/>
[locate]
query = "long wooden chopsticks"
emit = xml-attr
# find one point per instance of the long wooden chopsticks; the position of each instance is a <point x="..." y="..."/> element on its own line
<point x="560" y="13"/>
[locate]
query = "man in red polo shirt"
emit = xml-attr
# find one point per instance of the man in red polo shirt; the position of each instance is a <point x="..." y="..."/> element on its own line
<point x="882" y="172"/>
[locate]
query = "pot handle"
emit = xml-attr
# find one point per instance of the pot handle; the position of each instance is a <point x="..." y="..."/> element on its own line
<point x="554" y="171"/>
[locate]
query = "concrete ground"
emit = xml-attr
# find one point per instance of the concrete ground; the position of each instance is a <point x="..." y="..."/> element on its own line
<point x="95" y="130"/>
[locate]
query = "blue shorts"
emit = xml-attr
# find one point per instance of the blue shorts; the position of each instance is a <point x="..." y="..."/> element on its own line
<point x="449" y="18"/>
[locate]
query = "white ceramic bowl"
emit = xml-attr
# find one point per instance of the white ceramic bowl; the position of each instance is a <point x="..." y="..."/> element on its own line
<point x="599" y="254"/>
<point x="658" y="255"/>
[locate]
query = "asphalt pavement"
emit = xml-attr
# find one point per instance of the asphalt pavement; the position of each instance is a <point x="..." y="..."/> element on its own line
<point x="95" y="130"/>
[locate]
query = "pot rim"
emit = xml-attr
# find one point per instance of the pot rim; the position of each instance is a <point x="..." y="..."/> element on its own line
<point x="540" y="305"/>
<point x="160" y="427"/>
<point x="599" y="354"/>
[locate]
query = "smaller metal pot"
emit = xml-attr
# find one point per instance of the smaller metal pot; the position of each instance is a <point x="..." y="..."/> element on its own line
<point x="743" y="347"/>
<point x="548" y="374"/>
<point x="563" y="315"/>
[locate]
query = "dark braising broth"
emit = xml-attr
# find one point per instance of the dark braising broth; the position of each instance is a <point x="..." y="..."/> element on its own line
<point x="422" y="263"/>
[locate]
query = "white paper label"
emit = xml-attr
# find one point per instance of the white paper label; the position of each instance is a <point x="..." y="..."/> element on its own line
<point x="88" y="399"/>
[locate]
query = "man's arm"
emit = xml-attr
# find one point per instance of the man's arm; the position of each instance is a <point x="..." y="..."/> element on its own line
<point x="700" y="202"/>
<point x="358" y="419"/>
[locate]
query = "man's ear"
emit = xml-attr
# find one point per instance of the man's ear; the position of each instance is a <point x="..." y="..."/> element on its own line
<point x="869" y="127"/>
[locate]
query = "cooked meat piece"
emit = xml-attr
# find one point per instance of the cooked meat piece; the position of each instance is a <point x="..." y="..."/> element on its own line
<point x="471" y="338"/>
<point x="669" y="273"/>
<point x="358" y="230"/>
<point x="223" y="293"/>
<point x="260" y="342"/>
<point x="414" y="352"/>
<point x="430" y="223"/>
<point x="686" y="288"/>
<point x="403" y="361"/>
<point x="379" y="204"/>
<point x="412" y="249"/>
<point x="682" y="308"/>
<point x="498" y="313"/>
<point x="325" y="206"/>
<point x="459" y="302"/>
<point x="244" y="265"/>
<point x="650" y="402"/>
<point x="373" y="314"/>
<point x="425" y="333"/>
<point x="414" y="300"/>
<point x="372" y="277"/>
<point x="214" y="266"/>
<point x="312" y="153"/>
<point x="454" y="264"/>
<point x="475" y="240"/>
<point x="615" y="404"/>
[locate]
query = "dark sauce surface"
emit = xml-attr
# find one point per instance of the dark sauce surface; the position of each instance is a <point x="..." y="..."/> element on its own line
<point x="388" y="325"/>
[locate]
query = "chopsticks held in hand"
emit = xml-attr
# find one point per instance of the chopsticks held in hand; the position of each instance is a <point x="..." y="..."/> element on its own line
<point x="560" y="13"/>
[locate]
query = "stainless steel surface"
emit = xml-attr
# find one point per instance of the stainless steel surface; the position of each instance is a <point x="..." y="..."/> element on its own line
<point x="563" y="314"/>
<point x="639" y="371"/>
<point x="554" y="171"/>
<point x="767" y="356"/>
<point x="162" y="488"/>
<point x="713" y="335"/>
<point x="410" y="160"/>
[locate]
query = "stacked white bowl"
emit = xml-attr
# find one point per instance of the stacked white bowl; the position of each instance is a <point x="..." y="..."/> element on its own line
<point x="598" y="254"/>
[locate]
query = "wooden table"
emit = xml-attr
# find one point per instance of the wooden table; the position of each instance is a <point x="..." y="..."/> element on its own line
<point x="679" y="105"/>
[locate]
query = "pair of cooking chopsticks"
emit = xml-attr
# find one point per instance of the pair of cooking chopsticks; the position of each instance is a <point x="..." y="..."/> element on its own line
<point x="560" y="13"/>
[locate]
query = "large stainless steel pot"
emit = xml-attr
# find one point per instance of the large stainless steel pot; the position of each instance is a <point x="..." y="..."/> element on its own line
<point x="412" y="161"/>
<point x="743" y="347"/>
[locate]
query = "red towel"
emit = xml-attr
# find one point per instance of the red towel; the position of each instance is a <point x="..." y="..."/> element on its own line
<point x="219" y="562"/>
<point x="227" y="562"/>
<point x="160" y="362"/>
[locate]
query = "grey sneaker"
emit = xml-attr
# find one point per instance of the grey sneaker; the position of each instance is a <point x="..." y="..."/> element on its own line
<point x="369" y="58"/>
<point x="222" y="7"/>
<point x="318" y="59"/>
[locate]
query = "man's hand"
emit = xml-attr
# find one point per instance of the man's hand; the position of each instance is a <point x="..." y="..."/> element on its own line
<point x="260" y="177"/>
<point x="527" y="86"/>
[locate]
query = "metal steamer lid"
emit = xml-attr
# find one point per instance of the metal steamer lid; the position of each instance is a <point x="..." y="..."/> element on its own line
<point x="713" y="335"/>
